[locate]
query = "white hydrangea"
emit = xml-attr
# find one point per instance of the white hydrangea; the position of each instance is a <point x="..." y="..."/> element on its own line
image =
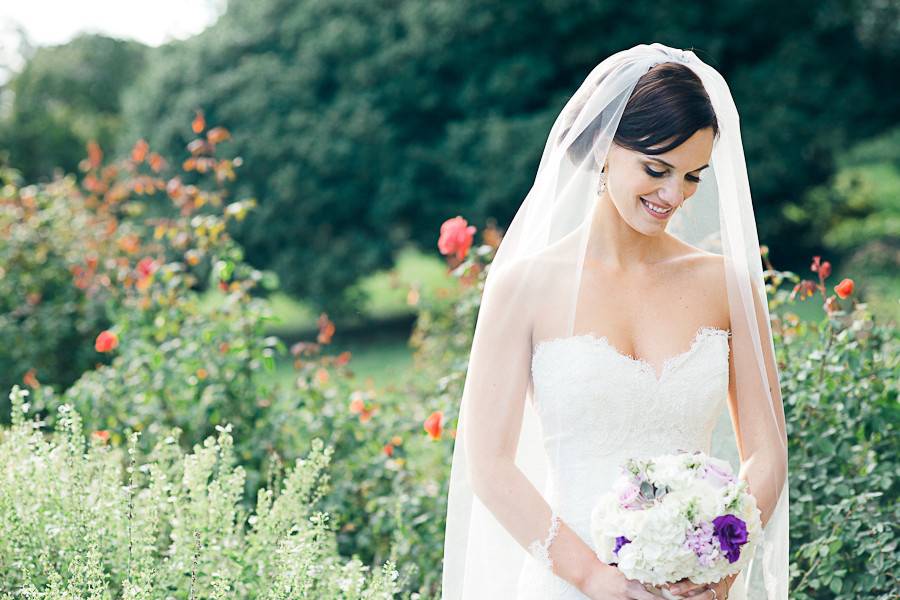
<point x="700" y="488"/>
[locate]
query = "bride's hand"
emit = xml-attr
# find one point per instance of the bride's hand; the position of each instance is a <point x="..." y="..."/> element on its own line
<point x="609" y="583"/>
<point x="699" y="591"/>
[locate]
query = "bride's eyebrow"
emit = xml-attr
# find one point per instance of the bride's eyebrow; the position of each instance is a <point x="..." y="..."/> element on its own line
<point x="671" y="166"/>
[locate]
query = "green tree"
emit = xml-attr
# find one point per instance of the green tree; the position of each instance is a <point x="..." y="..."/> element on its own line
<point x="366" y="124"/>
<point x="63" y="97"/>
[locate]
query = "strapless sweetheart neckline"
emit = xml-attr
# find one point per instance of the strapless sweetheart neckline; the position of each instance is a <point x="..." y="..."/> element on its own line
<point x="642" y="364"/>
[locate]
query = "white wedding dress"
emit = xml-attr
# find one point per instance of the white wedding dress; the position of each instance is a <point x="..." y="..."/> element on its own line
<point x="598" y="407"/>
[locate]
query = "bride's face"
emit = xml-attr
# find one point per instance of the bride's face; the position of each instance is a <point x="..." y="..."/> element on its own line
<point x="664" y="181"/>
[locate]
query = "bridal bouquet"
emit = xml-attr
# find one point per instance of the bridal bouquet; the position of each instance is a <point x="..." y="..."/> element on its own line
<point x="677" y="516"/>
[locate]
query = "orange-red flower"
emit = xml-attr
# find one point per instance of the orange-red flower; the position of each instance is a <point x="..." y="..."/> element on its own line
<point x="433" y="424"/>
<point x="147" y="267"/>
<point x="388" y="449"/>
<point x="357" y="405"/>
<point x="106" y="341"/>
<point x="822" y="268"/>
<point x="844" y="288"/>
<point x="102" y="435"/>
<point x="456" y="237"/>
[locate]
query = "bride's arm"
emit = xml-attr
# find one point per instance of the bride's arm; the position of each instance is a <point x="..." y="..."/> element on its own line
<point x="758" y="423"/>
<point x="495" y="389"/>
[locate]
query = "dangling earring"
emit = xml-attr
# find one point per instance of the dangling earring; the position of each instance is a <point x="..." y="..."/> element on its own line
<point x="602" y="181"/>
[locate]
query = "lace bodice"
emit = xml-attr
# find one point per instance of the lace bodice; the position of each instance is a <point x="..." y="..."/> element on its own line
<point x="597" y="407"/>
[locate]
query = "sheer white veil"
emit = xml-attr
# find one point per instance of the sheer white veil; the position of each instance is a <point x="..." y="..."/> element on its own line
<point x="481" y="559"/>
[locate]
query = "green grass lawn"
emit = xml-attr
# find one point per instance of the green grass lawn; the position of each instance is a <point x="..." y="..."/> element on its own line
<point x="385" y="358"/>
<point x="387" y="290"/>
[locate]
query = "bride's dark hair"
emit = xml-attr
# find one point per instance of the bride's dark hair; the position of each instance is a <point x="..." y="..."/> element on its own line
<point x="668" y="104"/>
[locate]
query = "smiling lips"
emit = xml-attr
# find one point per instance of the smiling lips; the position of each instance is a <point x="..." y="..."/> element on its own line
<point x="655" y="210"/>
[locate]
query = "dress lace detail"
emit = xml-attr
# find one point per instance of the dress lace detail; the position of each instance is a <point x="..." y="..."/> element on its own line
<point x="541" y="551"/>
<point x="597" y="407"/>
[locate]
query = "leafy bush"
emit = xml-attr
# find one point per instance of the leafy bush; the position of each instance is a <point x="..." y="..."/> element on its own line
<point x="839" y="383"/>
<point x="167" y="524"/>
<point x="54" y="286"/>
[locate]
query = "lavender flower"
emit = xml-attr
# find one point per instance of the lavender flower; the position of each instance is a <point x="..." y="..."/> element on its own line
<point x="700" y="540"/>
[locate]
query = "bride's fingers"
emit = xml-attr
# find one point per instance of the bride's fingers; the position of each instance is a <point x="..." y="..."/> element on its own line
<point x="687" y="588"/>
<point x="637" y="591"/>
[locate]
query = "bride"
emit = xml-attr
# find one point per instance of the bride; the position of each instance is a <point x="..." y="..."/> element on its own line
<point x="623" y="313"/>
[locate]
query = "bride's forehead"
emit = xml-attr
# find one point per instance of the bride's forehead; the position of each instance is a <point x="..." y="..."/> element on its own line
<point x="693" y="153"/>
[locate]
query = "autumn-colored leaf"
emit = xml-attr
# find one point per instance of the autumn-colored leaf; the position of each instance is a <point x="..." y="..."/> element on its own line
<point x="157" y="163"/>
<point x="198" y="146"/>
<point x="139" y="151"/>
<point x="217" y="135"/>
<point x="326" y="329"/>
<point x="95" y="154"/>
<point x="31" y="380"/>
<point x="199" y="122"/>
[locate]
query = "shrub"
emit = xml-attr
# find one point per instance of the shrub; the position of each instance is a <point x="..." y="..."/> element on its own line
<point x="839" y="383"/>
<point x="168" y="523"/>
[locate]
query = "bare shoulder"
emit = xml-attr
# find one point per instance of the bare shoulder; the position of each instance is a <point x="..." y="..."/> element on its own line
<point x="706" y="273"/>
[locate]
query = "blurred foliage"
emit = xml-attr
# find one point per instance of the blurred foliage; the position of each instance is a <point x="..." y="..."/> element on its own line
<point x="53" y="283"/>
<point x="365" y="124"/>
<point x="169" y="524"/>
<point x="857" y="212"/>
<point x="65" y="96"/>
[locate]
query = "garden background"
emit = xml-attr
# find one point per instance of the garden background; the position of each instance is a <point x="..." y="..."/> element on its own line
<point x="235" y="349"/>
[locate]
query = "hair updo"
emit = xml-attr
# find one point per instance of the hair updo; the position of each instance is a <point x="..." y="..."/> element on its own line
<point x="668" y="103"/>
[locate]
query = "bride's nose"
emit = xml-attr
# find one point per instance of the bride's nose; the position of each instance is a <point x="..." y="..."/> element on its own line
<point x="672" y="194"/>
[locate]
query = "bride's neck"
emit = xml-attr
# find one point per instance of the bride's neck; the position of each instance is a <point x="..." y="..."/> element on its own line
<point x="619" y="246"/>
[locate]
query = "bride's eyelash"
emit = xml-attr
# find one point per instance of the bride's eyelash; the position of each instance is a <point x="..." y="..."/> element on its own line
<point x="653" y="173"/>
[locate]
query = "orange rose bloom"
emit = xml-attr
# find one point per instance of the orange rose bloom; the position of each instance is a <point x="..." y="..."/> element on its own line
<point x="456" y="237"/>
<point x="433" y="424"/>
<point x="106" y="341"/>
<point x="844" y="288"/>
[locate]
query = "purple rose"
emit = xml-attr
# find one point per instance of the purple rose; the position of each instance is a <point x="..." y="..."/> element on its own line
<point x="717" y="476"/>
<point x="732" y="534"/>
<point x="620" y="541"/>
<point x="630" y="496"/>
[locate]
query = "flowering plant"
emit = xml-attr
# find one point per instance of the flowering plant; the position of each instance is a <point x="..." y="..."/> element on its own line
<point x="677" y="516"/>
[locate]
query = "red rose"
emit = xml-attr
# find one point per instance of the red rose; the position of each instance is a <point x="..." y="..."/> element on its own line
<point x="433" y="424"/>
<point x="106" y="341"/>
<point x="456" y="237"/>
<point x="844" y="288"/>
